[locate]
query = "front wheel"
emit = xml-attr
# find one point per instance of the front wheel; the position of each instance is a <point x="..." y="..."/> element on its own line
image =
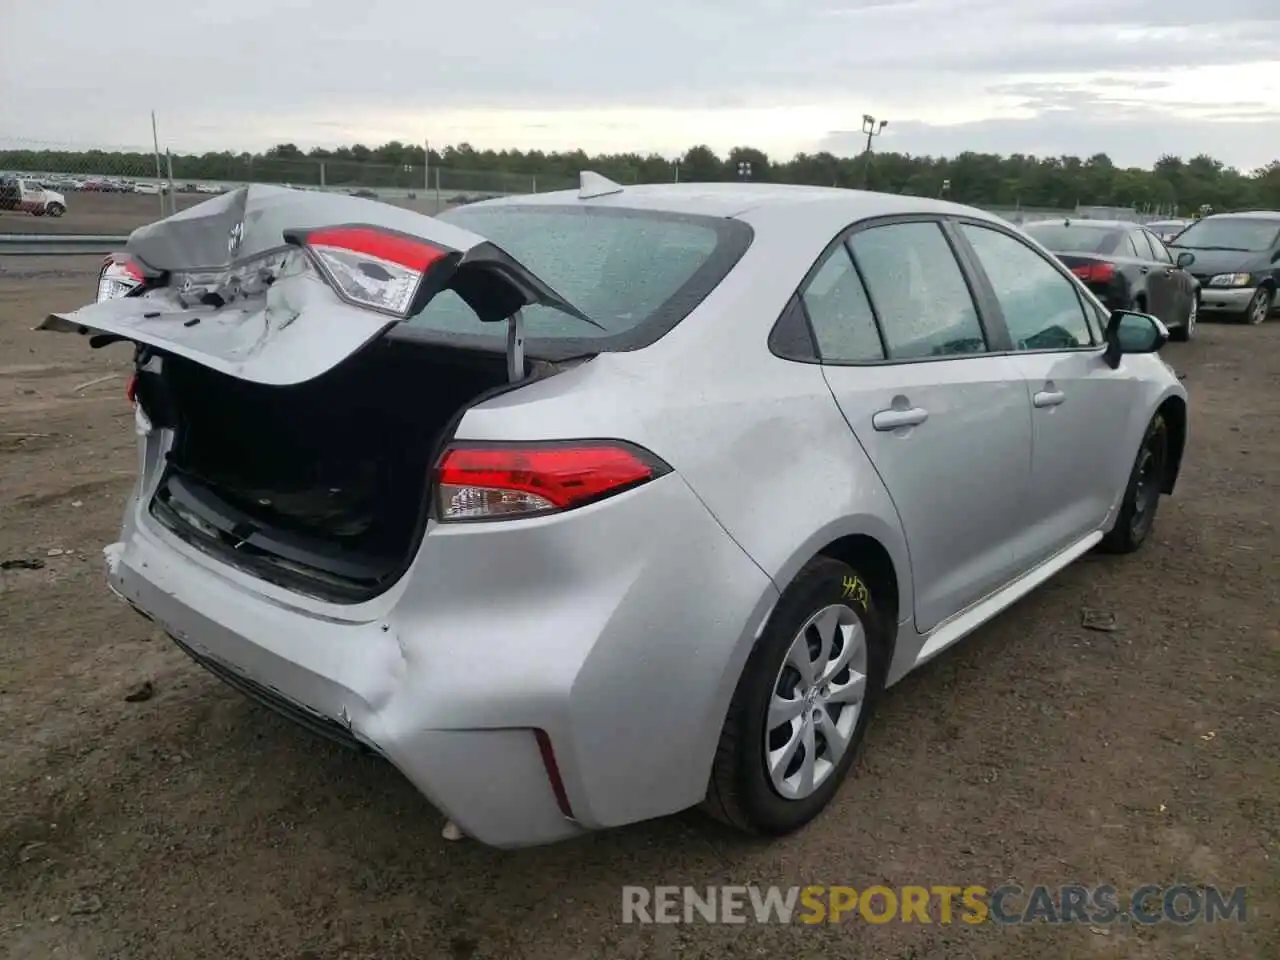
<point x="1188" y="330"/>
<point x="802" y="705"/>
<point x="1142" y="495"/>
<point x="56" y="209"/>
<point x="1260" y="306"/>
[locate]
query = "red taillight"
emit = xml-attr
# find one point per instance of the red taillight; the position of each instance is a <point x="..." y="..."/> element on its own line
<point x="131" y="389"/>
<point x="505" y="481"/>
<point x="372" y="267"/>
<point x="1095" y="272"/>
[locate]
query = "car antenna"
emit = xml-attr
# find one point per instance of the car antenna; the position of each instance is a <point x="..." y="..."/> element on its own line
<point x="592" y="184"/>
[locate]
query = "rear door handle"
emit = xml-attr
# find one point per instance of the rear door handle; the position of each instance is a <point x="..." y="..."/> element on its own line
<point x="1048" y="398"/>
<point x="887" y="420"/>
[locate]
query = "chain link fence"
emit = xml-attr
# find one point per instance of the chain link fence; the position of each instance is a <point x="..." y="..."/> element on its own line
<point x="153" y="182"/>
<point x="45" y="176"/>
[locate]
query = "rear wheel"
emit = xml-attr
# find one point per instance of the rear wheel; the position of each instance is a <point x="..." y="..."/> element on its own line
<point x="1260" y="305"/>
<point x="802" y="704"/>
<point x="1142" y="495"/>
<point x="1188" y="330"/>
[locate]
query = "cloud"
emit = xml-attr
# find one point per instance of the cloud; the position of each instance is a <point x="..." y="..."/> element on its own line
<point x="996" y="75"/>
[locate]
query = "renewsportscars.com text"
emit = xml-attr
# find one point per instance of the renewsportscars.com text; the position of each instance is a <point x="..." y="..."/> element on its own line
<point x="938" y="904"/>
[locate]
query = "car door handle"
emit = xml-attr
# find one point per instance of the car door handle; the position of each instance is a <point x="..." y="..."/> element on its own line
<point x="887" y="420"/>
<point x="1048" y="398"/>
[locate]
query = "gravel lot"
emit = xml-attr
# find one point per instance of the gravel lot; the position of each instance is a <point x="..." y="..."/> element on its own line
<point x="195" y="825"/>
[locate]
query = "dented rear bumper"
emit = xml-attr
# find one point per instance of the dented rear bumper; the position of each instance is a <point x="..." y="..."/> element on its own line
<point x="612" y="634"/>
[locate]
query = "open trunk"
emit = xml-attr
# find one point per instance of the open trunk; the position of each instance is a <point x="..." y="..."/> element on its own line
<point x="304" y="436"/>
<point x="321" y="486"/>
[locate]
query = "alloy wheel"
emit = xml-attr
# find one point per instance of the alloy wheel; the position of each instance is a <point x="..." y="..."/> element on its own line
<point x="816" y="700"/>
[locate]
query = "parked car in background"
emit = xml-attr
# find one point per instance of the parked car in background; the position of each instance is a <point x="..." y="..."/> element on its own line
<point x="1166" y="230"/>
<point x="1237" y="262"/>
<point x="651" y="527"/>
<point x="1127" y="267"/>
<point x="28" y="196"/>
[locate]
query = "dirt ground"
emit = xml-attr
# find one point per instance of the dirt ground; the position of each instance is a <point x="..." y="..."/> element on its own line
<point x="111" y="214"/>
<point x="196" y="825"/>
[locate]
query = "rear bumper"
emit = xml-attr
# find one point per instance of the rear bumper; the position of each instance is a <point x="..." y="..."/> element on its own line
<point x="619" y="630"/>
<point x="1226" y="300"/>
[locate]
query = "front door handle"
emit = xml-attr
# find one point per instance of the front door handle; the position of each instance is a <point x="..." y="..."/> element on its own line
<point x="887" y="420"/>
<point x="1048" y="398"/>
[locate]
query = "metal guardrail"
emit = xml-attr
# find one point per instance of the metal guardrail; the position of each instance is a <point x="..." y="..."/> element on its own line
<point x="57" y="245"/>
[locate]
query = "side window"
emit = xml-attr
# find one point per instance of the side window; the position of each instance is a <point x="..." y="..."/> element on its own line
<point x="918" y="291"/>
<point x="1158" y="247"/>
<point x="1130" y="247"/>
<point x="1144" y="247"/>
<point x="840" y="313"/>
<point x="1041" y="307"/>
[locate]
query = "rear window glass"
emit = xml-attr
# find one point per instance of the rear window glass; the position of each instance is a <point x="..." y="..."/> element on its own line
<point x="1076" y="238"/>
<point x="635" y="273"/>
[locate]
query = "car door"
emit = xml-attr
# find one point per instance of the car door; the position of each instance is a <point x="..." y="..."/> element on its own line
<point x="1163" y="295"/>
<point x="1181" y="284"/>
<point x="1078" y="403"/>
<point x="942" y="418"/>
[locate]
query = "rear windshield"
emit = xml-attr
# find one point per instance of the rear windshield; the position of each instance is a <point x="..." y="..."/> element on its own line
<point x="1074" y="238"/>
<point x="636" y="273"/>
<point x="1231" y="233"/>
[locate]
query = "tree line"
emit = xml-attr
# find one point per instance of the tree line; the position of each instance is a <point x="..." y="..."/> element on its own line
<point x="1172" y="184"/>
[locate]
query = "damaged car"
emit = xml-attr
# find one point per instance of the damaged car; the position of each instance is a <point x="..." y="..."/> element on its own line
<point x="588" y="507"/>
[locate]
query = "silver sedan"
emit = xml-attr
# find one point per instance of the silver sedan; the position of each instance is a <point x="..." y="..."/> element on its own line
<point x="588" y="507"/>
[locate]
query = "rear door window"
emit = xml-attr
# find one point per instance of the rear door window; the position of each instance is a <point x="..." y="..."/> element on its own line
<point x="840" y="313"/>
<point x="918" y="291"/>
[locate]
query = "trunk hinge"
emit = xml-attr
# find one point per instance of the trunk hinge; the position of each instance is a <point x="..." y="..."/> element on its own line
<point x="515" y="347"/>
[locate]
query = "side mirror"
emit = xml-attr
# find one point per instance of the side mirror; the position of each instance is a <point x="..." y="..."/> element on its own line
<point x="1131" y="332"/>
<point x="1185" y="259"/>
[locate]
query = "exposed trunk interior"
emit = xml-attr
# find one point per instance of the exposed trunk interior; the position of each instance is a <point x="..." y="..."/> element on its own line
<point x="321" y="486"/>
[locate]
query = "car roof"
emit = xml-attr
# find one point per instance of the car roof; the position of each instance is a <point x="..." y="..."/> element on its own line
<point x="1085" y="222"/>
<point x="740" y="199"/>
<point x="1251" y="214"/>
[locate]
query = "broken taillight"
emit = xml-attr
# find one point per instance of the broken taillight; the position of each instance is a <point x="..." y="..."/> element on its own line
<point x="119" y="277"/>
<point x="372" y="267"/>
<point x="502" y="481"/>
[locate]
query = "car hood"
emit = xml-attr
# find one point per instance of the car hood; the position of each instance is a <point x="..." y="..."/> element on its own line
<point x="1209" y="262"/>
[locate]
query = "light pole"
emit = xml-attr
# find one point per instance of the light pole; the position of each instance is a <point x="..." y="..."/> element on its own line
<point x="744" y="170"/>
<point x="872" y="128"/>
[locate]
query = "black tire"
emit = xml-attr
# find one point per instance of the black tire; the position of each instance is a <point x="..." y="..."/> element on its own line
<point x="740" y="792"/>
<point x="56" y="209"/>
<point x="1186" y="331"/>
<point x="1260" y="306"/>
<point x="1142" y="493"/>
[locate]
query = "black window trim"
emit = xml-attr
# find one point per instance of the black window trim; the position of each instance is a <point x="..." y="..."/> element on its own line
<point x="990" y="316"/>
<point x="992" y="327"/>
<point x="994" y="303"/>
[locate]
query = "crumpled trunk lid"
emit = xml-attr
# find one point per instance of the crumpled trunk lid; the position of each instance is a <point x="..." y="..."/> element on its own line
<point x="235" y="290"/>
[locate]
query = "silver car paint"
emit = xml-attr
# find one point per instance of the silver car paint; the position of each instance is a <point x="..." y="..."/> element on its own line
<point x="621" y="628"/>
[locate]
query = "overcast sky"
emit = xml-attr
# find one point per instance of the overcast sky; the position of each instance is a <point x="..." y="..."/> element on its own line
<point x="1132" y="78"/>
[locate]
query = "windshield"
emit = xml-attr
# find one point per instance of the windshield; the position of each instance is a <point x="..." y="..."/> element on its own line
<point x="1230" y="233"/>
<point x="1074" y="238"/>
<point x="635" y="273"/>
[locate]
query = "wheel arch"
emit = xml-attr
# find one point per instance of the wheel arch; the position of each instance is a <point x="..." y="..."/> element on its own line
<point x="1174" y="411"/>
